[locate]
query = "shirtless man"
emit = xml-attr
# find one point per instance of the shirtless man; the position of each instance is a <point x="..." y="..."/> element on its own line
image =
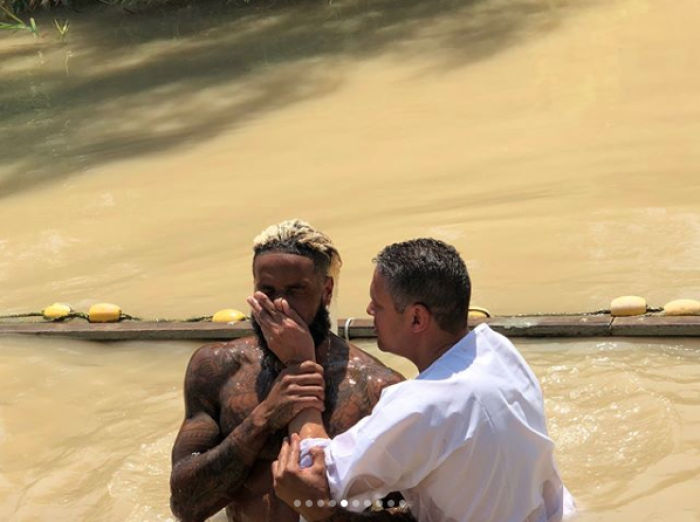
<point x="239" y="398"/>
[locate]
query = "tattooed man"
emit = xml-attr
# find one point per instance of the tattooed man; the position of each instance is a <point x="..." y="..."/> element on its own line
<point x="240" y="398"/>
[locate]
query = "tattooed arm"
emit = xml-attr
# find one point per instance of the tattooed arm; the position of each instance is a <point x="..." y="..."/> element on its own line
<point x="208" y="468"/>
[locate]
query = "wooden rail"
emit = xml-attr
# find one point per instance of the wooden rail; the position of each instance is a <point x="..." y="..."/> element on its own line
<point x="534" y="326"/>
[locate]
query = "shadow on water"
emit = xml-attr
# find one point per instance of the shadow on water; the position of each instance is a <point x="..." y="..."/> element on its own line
<point x="132" y="84"/>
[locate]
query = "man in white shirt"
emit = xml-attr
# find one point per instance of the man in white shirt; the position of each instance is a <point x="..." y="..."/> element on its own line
<point x="466" y="440"/>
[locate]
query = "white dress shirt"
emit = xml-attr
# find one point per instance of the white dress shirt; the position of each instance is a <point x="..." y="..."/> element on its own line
<point x="466" y="440"/>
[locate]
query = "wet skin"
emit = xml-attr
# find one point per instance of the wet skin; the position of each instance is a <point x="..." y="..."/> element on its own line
<point x="236" y="410"/>
<point x="225" y="386"/>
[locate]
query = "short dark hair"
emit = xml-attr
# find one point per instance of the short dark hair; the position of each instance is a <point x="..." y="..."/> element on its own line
<point x="429" y="272"/>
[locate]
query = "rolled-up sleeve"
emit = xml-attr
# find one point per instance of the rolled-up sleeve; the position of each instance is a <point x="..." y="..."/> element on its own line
<point x="354" y="474"/>
<point x="393" y="449"/>
<point x="360" y="469"/>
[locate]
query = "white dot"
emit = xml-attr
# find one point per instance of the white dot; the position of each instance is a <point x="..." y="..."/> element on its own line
<point x="355" y="503"/>
<point x="297" y="503"/>
<point x="368" y="503"/>
<point x="331" y="503"/>
<point x="390" y="503"/>
<point x="309" y="503"/>
<point x="344" y="503"/>
<point x="320" y="503"/>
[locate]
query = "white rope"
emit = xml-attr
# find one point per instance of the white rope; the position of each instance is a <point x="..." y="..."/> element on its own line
<point x="346" y="329"/>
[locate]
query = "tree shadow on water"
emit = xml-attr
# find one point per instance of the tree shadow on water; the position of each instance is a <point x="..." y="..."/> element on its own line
<point x="131" y="84"/>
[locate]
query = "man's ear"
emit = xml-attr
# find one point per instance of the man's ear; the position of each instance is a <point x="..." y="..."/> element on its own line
<point x="328" y="291"/>
<point x="420" y="318"/>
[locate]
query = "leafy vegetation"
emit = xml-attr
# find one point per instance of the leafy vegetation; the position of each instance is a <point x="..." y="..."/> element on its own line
<point x="62" y="28"/>
<point x="14" y="23"/>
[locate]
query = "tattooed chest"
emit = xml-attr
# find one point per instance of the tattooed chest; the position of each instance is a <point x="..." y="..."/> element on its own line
<point x="235" y="410"/>
<point x="240" y="396"/>
<point x="346" y="403"/>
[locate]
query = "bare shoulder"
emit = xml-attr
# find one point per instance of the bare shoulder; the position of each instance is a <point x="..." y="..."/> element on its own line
<point x="372" y="366"/>
<point x="211" y="366"/>
<point x="367" y="371"/>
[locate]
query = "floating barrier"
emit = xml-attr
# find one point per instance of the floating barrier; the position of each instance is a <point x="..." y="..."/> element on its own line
<point x="628" y="316"/>
<point x="571" y="326"/>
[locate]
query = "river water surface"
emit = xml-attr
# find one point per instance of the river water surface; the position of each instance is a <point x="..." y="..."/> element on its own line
<point x="554" y="142"/>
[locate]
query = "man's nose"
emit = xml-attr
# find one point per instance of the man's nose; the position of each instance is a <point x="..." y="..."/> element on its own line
<point x="370" y="310"/>
<point x="274" y="295"/>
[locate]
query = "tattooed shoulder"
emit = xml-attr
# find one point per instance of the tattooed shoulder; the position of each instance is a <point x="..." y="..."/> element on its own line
<point x="373" y="375"/>
<point x="211" y="366"/>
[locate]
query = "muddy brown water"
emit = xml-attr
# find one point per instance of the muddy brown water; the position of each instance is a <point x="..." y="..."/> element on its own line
<point x="554" y="142"/>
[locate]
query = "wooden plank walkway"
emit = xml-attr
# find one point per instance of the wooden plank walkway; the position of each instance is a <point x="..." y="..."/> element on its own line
<point x="534" y="326"/>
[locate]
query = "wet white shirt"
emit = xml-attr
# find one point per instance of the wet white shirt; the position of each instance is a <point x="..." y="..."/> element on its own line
<point x="466" y="440"/>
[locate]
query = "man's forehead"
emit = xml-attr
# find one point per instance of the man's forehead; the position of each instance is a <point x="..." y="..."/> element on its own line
<point x="286" y="266"/>
<point x="378" y="285"/>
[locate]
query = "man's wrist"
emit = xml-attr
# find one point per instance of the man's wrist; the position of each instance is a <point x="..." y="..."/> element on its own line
<point x="298" y="359"/>
<point x="261" y="417"/>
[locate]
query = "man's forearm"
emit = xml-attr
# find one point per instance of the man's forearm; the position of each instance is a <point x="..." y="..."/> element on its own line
<point x="202" y="484"/>
<point x="308" y="424"/>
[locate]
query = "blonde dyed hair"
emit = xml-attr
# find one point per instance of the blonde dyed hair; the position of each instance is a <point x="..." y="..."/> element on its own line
<point x="299" y="237"/>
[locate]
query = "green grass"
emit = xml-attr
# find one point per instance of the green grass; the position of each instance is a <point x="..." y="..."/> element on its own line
<point x="62" y="28"/>
<point x="14" y="23"/>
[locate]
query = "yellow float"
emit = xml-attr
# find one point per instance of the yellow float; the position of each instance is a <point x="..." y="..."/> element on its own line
<point x="57" y="311"/>
<point x="682" y="307"/>
<point x="104" y="313"/>
<point x="476" y="312"/>
<point x="628" y="305"/>
<point x="228" y="315"/>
